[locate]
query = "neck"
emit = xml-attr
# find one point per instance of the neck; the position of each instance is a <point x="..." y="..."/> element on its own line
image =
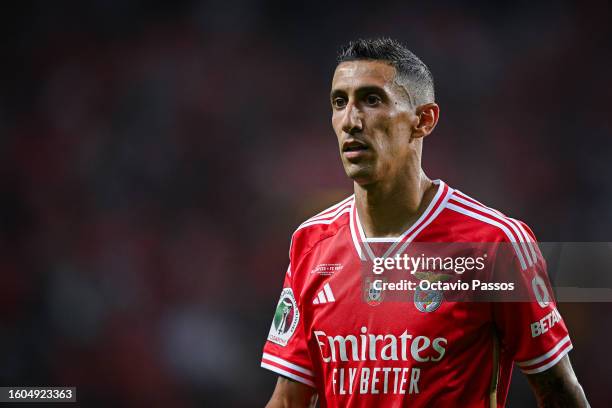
<point x="388" y="209"/>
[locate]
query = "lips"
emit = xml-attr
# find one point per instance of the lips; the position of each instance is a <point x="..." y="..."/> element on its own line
<point x="354" y="150"/>
<point x="354" y="145"/>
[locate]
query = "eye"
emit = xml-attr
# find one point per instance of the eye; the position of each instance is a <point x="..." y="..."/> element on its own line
<point x="338" y="102"/>
<point x="373" y="99"/>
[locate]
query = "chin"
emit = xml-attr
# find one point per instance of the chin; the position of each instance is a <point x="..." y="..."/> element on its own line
<point x="361" y="176"/>
<point x="364" y="182"/>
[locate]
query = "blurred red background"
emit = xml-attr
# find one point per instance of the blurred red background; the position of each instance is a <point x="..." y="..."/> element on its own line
<point x="155" y="159"/>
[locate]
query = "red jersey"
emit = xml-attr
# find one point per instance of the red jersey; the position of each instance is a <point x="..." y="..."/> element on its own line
<point x="334" y="334"/>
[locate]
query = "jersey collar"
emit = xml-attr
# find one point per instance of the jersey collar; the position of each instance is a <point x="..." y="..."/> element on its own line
<point x="399" y="244"/>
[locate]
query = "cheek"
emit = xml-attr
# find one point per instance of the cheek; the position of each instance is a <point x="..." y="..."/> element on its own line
<point x="402" y="124"/>
<point x="397" y="128"/>
<point x="336" y="121"/>
<point x="392" y="136"/>
<point x="381" y="127"/>
<point x="337" y="127"/>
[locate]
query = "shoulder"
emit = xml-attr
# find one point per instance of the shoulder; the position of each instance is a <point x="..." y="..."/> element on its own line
<point x="491" y="222"/>
<point x="322" y="225"/>
<point x="481" y="223"/>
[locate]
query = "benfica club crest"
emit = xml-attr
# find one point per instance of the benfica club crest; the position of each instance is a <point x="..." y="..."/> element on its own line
<point x="428" y="301"/>
<point x="372" y="296"/>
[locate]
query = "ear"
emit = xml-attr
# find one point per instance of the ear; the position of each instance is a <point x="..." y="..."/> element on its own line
<point x="428" y="115"/>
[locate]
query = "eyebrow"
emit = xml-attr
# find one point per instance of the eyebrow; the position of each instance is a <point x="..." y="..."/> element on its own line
<point x="365" y="89"/>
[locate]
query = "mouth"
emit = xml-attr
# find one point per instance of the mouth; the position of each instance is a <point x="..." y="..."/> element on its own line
<point x="355" y="150"/>
<point x="354" y="145"/>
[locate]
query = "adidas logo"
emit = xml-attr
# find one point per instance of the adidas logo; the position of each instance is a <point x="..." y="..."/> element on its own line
<point x="324" y="296"/>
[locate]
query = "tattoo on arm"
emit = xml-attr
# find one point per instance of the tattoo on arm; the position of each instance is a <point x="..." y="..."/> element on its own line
<point x="558" y="387"/>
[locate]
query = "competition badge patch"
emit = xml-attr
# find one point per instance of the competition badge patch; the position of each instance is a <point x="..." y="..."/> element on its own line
<point x="286" y="318"/>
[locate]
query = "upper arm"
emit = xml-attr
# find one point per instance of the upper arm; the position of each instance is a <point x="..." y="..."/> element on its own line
<point x="558" y="386"/>
<point x="292" y="394"/>
<point x="286" y="349"/>
<point x="533" y="331"/>
<point x="527" y="320"/>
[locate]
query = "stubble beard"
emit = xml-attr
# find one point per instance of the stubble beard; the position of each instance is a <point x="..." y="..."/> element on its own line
<point x="363" y="174"/>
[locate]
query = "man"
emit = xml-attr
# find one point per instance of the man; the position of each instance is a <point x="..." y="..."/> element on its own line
<point x="338" y="339"/>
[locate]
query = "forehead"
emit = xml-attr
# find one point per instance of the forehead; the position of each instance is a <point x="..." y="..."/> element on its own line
<point x="354" y="74"/>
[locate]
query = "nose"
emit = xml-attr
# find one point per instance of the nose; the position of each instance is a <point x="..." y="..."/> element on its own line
<point x="352" y="121"/>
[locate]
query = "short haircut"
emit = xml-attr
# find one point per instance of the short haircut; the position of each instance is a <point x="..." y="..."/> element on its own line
<point x="411" y="73"/>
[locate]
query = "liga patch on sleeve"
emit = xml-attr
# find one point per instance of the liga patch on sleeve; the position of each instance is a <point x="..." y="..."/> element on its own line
<point x="286" y="319"/>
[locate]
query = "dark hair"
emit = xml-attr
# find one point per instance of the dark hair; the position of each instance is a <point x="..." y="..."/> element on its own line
<point x="411" y="73"/>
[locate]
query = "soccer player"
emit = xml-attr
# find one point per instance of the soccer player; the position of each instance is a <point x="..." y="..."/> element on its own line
<point x="332" y="337"/>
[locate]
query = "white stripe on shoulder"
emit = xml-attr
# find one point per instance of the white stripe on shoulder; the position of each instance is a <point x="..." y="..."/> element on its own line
<point x="501" y="218"/>
<point x="331" y="211"/>
<point x="531" y="243"/>
<point x="330" y="214"/>
<point x="326" y="220"/>
<point x="493" y="222"/>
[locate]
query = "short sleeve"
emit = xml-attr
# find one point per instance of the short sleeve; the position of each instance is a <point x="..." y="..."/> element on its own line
<point x="286" y="349"/>
<point x="532" y="329"/>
